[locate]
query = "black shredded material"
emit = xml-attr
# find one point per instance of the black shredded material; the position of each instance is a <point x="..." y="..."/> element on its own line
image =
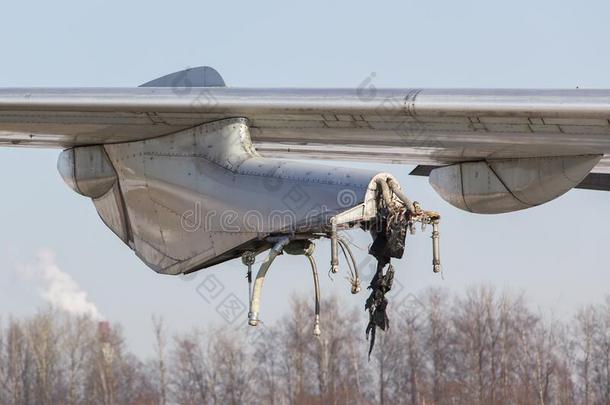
<point x="389" y="242"/>
<point x="377" y="303"/>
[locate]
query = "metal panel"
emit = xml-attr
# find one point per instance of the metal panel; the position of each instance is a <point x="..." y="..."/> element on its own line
<point x="110" y="208"/>
<point x="505" y="185"/>
<point x="205" y="193"/>
<point x="87" y="170"/>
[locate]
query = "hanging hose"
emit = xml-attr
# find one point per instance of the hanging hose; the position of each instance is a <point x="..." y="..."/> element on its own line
<point x="316" y="283"/>
<point x="260" y="278"/>
<point x="355" y="276"/>
<point x="350" y="264"/>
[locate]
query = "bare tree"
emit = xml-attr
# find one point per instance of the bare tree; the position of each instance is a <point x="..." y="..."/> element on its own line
<point x="42" y="338"/>
<point x="17" y="363"/>
<point x="296" y="342"/>
<point x="161" y="364"/>
<point x="231" y="358"/>
<point x="76" y="337"/>
<point x="266" y="372"/>
<point x="584" y="339"/>
<point x="438" y="348"/>
<point x="331" y="354"/>
<point x="602" y="354"/>
<point x="478" y="348"/>
<point x="190" y="377"/>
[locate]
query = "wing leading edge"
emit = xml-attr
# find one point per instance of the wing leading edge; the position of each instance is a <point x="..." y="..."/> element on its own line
<point x="414" y="126"/>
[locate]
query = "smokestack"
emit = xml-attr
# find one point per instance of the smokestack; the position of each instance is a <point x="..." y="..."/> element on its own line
<point x="103" y="331"/>
<point x="104" y="337"/>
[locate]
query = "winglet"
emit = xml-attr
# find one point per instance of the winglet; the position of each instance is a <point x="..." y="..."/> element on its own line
<point x="203" y="76"/>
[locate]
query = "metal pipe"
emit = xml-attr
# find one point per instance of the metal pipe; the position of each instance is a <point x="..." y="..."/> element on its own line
<point x="316" y="283"/>
<point x="385" y="191"/>
<point x="402" y="196"/>
<point x="260" y="278"/>
<point x="436" y="249"/>
<point x="248" y="258"/>
<point x="249" y="275"/>
<point x="334" y="254"/>
<point x="354" y="266"/>
<point x="347" y="259"/>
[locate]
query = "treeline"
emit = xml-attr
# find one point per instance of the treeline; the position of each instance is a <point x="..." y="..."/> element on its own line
<point x="483" y="347"/>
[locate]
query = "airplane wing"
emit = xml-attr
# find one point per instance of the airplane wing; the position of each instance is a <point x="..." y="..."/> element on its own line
<point x="415" y="126"/>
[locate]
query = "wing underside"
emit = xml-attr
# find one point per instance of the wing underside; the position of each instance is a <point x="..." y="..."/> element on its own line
<point x="413" y="126"/>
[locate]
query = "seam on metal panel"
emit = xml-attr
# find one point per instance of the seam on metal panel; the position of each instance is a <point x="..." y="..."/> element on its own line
<point x="247" y="173"/>
<point x="506" y="187"/>
<point x="156" y="202"/>
<point x="123" y="207"/>
<point x="74" y="172"/>
<point x="462" y="188"/>
<point x="152" y="246"/>
<point x="144" y="176"/>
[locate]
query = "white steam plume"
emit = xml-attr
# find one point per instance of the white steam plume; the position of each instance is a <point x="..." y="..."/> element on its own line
<point x="59" y="288"/>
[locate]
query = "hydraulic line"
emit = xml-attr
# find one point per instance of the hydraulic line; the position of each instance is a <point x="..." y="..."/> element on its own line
<point x="355" y="279"/>
<point x="260" y="279"/>
<point x="316" y="283"/>
<point x="401" y="196"/>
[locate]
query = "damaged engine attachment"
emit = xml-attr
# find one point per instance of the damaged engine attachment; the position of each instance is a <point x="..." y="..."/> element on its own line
<point x="396" y="215"/>
<point x="389" y="215"/>
<point x="204" y="195"/>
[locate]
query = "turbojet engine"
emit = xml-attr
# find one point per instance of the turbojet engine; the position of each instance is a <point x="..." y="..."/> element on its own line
<point x="202" y="196"/>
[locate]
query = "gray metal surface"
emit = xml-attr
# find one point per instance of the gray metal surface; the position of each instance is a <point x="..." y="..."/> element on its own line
<point x="203" y="195"/>
<point x="87" y="170"/>
<point x="421" y="126"/>
<point x="505" y="185"/>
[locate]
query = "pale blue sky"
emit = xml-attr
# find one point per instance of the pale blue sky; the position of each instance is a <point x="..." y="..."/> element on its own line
<point x="558" y="253"/>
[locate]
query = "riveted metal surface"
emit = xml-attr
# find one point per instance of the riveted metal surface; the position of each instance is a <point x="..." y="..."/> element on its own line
<point x="202" y="192"/>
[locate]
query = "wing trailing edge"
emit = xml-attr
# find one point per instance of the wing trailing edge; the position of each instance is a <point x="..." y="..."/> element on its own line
<point x="593" y="181"/>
